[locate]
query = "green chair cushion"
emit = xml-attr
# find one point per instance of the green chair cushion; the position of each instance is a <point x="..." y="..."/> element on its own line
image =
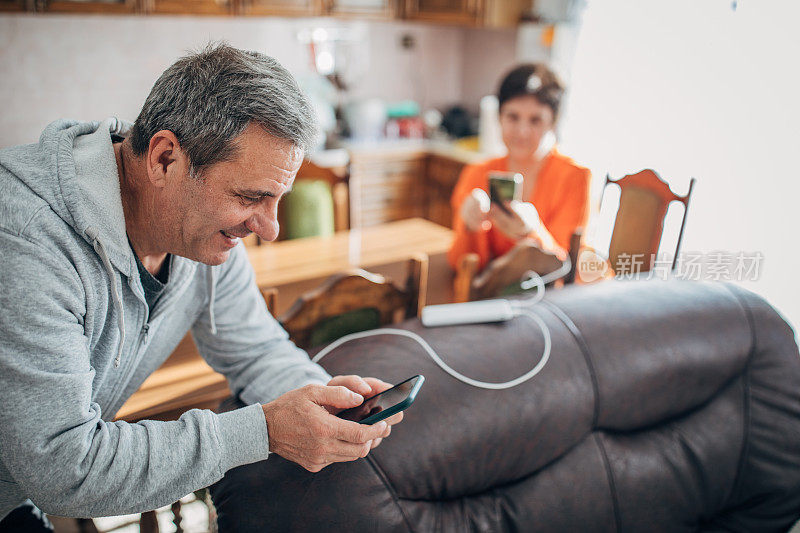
<point x="308" y="210"/>
<point x="338" y="326"/>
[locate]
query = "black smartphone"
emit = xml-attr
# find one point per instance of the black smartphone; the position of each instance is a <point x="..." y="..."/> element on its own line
<point x="386" y="403"/>
<point x="504" y="187"/>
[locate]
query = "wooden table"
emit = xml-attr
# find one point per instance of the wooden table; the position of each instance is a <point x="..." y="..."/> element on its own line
<point x="185" y="381"/>
<point x="296" y="266"/>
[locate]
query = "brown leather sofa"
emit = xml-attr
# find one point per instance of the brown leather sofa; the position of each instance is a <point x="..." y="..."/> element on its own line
<point x="665" y="406"/>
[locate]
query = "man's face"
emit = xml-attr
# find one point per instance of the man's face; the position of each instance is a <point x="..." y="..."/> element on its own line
<point x="233" y="199"/>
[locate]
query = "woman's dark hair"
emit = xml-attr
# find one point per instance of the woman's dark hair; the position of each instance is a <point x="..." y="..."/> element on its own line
<point x="533" y="79"/>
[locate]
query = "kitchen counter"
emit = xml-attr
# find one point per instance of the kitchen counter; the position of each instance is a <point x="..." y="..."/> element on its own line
<point x="392" y="180"/>
<point x="409" y="147"/>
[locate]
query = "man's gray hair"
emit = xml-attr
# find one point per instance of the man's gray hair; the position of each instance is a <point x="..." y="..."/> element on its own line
<point x="208" y="98"/>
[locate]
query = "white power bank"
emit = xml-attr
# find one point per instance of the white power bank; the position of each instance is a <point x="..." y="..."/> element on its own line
<point x="467" y="313"/>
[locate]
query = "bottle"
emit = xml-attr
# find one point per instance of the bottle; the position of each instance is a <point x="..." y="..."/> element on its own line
<point x="490" y="140"/>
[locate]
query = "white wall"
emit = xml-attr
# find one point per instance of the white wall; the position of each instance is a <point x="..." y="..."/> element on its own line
<point x="694" y="88"/>
<point x="488" y="56"/>
<point x="94" y="66"/>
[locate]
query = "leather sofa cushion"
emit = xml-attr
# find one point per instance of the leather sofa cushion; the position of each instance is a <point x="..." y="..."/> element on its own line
<point x="665" y="406"/>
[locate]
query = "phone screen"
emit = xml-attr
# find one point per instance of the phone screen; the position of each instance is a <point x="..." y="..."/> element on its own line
<point x="387" y="399"/>
<point x="504" y="187"/>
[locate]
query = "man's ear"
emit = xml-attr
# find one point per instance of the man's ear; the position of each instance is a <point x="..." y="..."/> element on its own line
<point x="166" y="159"/>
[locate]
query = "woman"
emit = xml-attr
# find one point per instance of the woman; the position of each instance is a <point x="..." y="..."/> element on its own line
<point x="555" y="191"/>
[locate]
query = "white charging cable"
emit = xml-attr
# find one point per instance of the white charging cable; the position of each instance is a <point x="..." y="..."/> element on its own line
<point x="535" y="280"/>
<point x="519" y="308"/>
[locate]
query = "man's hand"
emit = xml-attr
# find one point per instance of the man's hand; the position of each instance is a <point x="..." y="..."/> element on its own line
<point x="522" y="221"/>
<point x="366" y="387"/>
<point x="301" y="428"/>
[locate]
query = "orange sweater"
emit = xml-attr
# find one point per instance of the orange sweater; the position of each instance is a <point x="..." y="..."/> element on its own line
<point x="560" y="195"/>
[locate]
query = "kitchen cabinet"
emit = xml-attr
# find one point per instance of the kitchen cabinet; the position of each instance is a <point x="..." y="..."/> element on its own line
<point x="189" y="7"/>
<point x="386" y="186"/>
<point x="441" y="176"/>
<point x="282" y="8"/>
<point x="488" y="13"/>
<point x="12" y="5"/>
<point x="385" y="9"/>
<point x="392" y="185"/>
<point x="504" y="13"/>
<point x="445" y="11"/>
<point x="81" y="6"/>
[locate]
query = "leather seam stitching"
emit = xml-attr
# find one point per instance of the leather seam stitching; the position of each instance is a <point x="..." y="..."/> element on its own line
<point x="745" y="395"/>
<point x="585" y="351"/>
<point x="382" y="476"/>
<point x="502" y="486"/>
<point x="611" y="483"/>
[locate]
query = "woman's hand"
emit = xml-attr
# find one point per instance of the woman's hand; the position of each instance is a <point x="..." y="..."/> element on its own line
<point x="519" y="223"/>
<point x="475" y="209"/>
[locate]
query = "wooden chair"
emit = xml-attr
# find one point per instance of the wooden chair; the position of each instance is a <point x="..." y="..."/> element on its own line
<point x="353" y="301"/>
<point x="337" y="178"/>
<point x="503" y="275"/>
<point x="575" y="243"/>
<point x="643" y="203"/>
<point x="270" y="295"/>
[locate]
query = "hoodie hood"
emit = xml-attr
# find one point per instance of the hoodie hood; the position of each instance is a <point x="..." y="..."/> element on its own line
<point x="86" y="195"/>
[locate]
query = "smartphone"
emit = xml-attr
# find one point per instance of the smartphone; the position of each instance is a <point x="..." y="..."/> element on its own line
<point x="504" y="187"/>
<point x="386" y="403"/>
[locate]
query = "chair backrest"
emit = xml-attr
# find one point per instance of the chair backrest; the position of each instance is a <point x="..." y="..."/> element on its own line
<point x="270" y="295"/>
<point x="575" y="242"/>
<point x="320" y="205"/>
<point x="502" y="276"/>
<point x="643" y="203"/>
<point x="337" y="178"/>
<point x="307" y="211"/>
<point x="353" y="301"/>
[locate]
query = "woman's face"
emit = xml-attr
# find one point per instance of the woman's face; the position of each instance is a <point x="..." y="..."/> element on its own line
<point x="523" y="122"/>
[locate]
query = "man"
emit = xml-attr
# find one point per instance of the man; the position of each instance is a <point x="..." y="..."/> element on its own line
<point x="114" y="242"/>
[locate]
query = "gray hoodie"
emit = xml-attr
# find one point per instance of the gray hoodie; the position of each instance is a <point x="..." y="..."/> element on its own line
<point x="76" y="341"/>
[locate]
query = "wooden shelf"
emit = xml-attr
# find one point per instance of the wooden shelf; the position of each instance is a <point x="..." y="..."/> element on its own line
<point x="490" y="13"/>
<point x="190" y="7"/>
<point x="461" y="12"/>
<point x="12" y="5"/>
<point x="112" y="8"/>
<point x="377" y="9"/>
<point x="282" y="8"/>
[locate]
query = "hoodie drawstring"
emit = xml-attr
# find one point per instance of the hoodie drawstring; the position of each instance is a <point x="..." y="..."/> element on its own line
<point x="92" y="233"/>
<point x="211" y="273"/>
